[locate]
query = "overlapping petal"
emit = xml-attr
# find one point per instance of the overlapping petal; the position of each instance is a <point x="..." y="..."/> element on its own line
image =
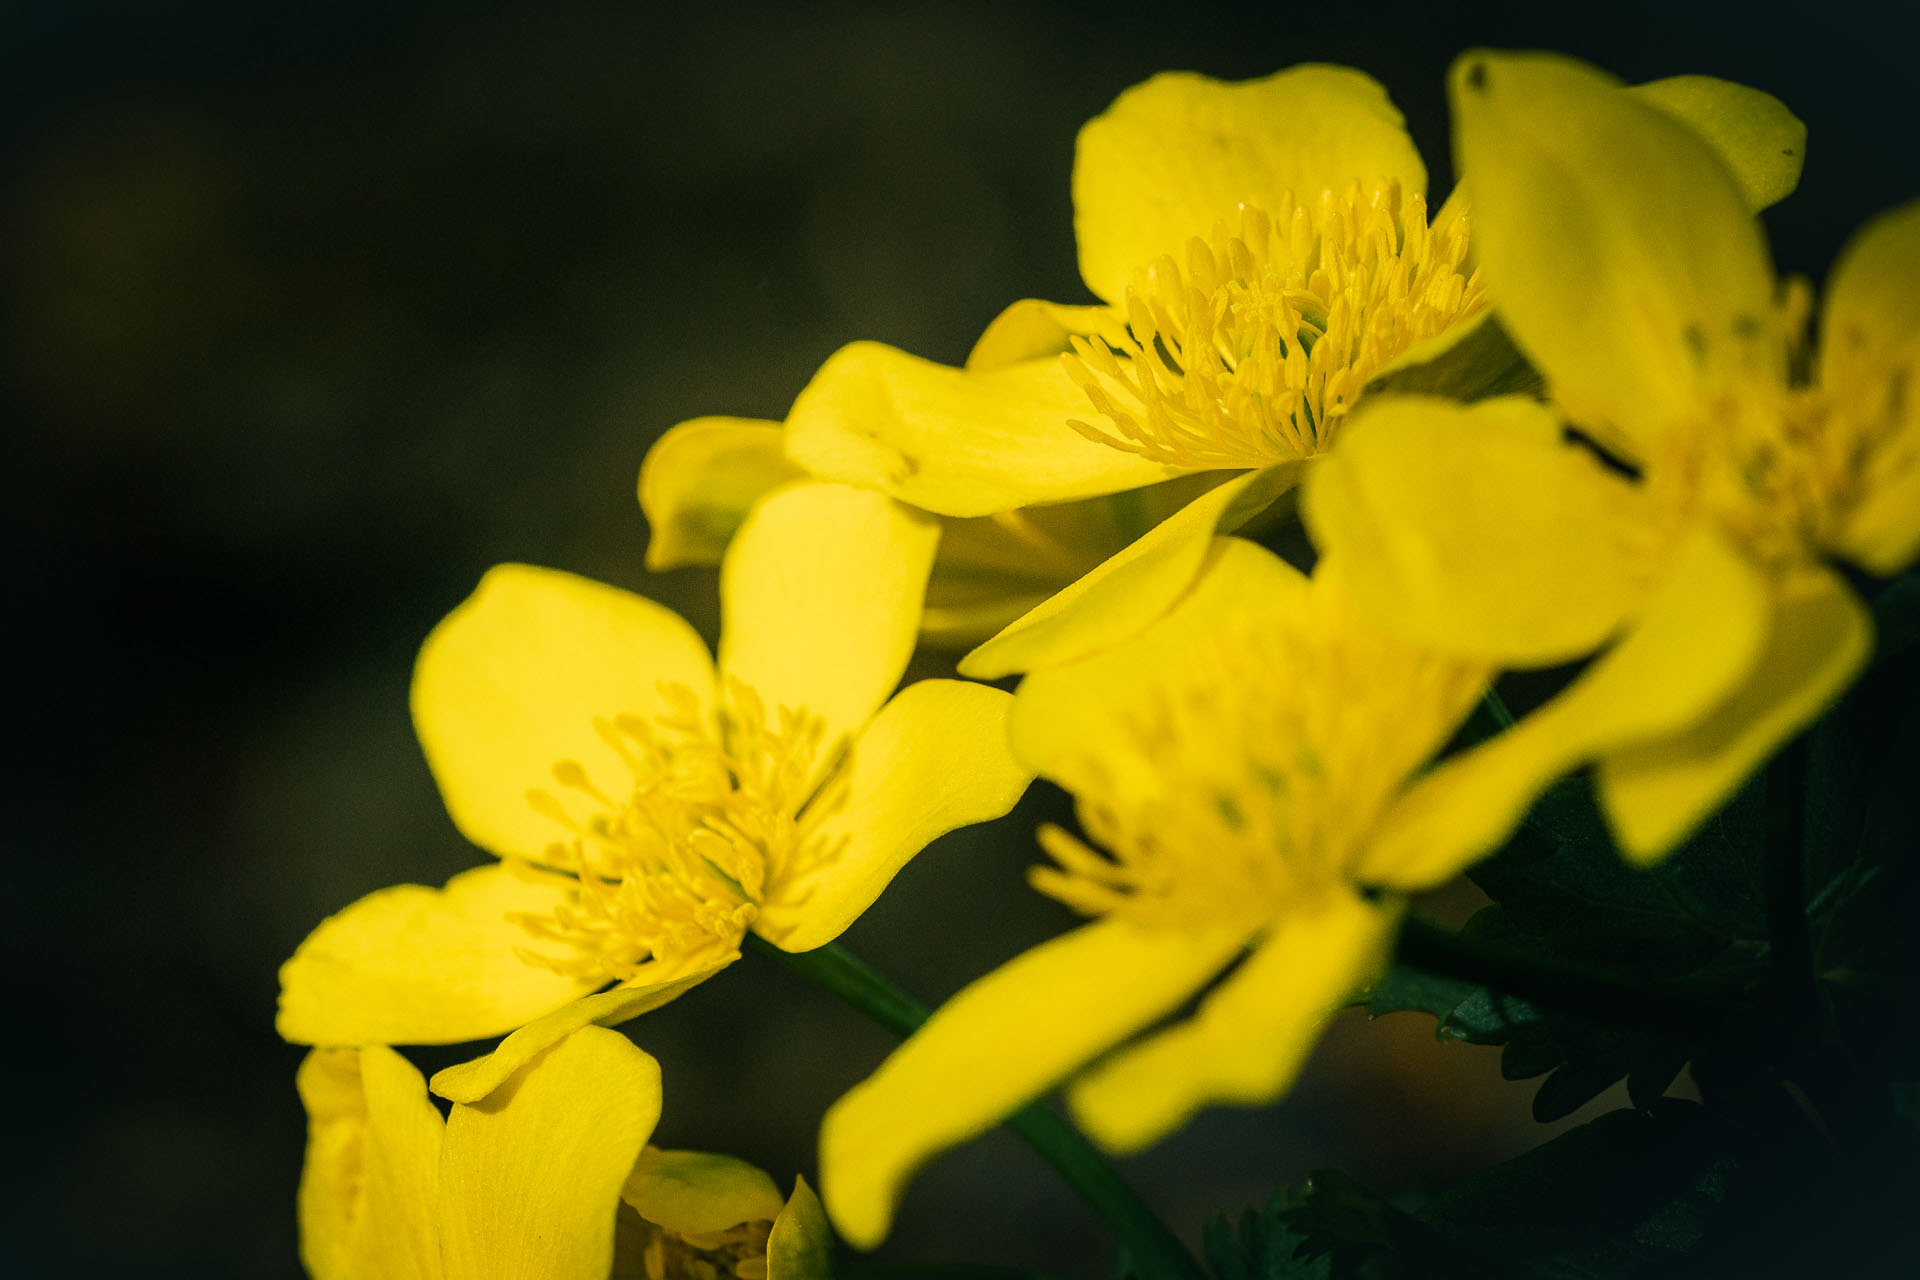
<point x="472" y="1081"/>
<point x="1619" y="248"/>
<point x="700" y="479"/>
<point x="415" y="965"/>
<point x="1701" y="634"/>
<point x="1003" y="1041"/>
<point x="934" y="759"/>
<point x="1066" y="716"/>
<point x="1818" y="638"/>
<point x="1763" y="145"/>
<point x="1130" y="588"/>
<point x="953" y="441"/>
<point x="1251" y="1035"/>
<point x="1869" y="364"/>
<point x="530" y="1175"/>
<point x="820" y="600"/>
<point x="1480" y="530"/>
<point x="369" y="1185"/>
<point x="512" y="681"/>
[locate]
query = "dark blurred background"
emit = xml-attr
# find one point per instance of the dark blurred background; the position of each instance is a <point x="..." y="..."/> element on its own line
<point x="314" y="311"/>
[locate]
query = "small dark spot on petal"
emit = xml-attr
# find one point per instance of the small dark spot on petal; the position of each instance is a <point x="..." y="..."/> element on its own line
<point x="1786" y="151"/>
<point x="1746" y="326"/>
<point x="1477" y="77"/>
<point x="1695" y="339"/>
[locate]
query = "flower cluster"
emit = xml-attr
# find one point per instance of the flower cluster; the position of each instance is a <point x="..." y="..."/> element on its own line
<point x="1568" y="419"/>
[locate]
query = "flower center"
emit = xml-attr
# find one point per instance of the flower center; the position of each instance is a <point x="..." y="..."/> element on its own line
<point x="1253" y="352"/>
<point x="1782" y="468"/>
<point x="669" y="871"/>
<point x="1257" y="773"/>
<point x="737" y="1253"/>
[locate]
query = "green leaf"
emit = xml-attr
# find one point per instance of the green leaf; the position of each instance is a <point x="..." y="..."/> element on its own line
<point x="1565" y="903"/>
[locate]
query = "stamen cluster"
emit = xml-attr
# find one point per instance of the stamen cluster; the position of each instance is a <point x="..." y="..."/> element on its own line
<point x="671" y="873"/>
<point x="1260" y="769"/>
<point x="1252" y="352"/>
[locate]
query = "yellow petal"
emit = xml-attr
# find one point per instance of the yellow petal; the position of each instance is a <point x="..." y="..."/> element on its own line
<point x="367" y="1191"/>
<point x="800" y="1246"/>
<point x="1250" y="1036"/>
<point x="1657" y="792"/>
<point x="414" y="965"/>
<point x="1182" y="151"/>
<point x="531" y="1175"/>
<point x="934" y="759"/>
<point x="1001" y="1042"/>
<point x="1030" y="329"/>
<point x="1618" y="248"/>
<point x="472" y="1081"/>
<point x="1699" y="637"/>
<point x="373" y="1165"/>
<point x="1762" y="144"/>
<point x="1132" y="588"/>
<point x="953" y="441"/>
<point x="698" y="481"/>
<point x="512" y="681"/>
<point x="1869" y="364"/>
<point x="693" y="1192"/>
<point x="1064" y="716"/>
<point x="820" y="600"/>
<point x="1480" y="531"/>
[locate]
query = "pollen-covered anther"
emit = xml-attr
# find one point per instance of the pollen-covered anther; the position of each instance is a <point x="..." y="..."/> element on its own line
<point x="1252" y="350"/>
<point x="668" y="869"/>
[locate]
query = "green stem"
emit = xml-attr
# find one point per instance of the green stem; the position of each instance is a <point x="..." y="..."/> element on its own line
<point x="1155" y="1250"/>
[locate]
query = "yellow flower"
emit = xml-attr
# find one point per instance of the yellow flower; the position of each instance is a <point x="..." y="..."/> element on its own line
<point x="523" y="1184"/>
<point x="701" y="479"/>
<point x="1628" y="267"/>
<point x="648" y="810"/>
<point x="1262" y="250"/>
<point x="1237" y="761"/>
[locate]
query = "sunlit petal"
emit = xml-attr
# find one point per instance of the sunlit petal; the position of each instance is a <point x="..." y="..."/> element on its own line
<point x="512" y="681"/>
<point x="531" y="1175"/>
<point x="1619" y="250"/>
<point x="1480" y="531"/>
<point x="472" y="1081"/>
<point x="1133" y="587"/>
<point x="1003" y="1041"/>
<point x="414" y="965"/>
<point x="1702" y="633"/>
<point x="953" y="441"/>
<point x="820" y="600"/>
<point x="1064" y="718"/>
<point x="935" y="758"/>
<point x="1180" y="152"/>
<point x="1250" y="1036"/>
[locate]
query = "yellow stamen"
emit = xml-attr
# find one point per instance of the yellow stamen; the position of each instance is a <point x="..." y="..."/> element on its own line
<point x="1253" y="352"/>
<point x="1783" y="467"/>
<point x="710" y="825"/>
<point x="1258" y="771"/>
